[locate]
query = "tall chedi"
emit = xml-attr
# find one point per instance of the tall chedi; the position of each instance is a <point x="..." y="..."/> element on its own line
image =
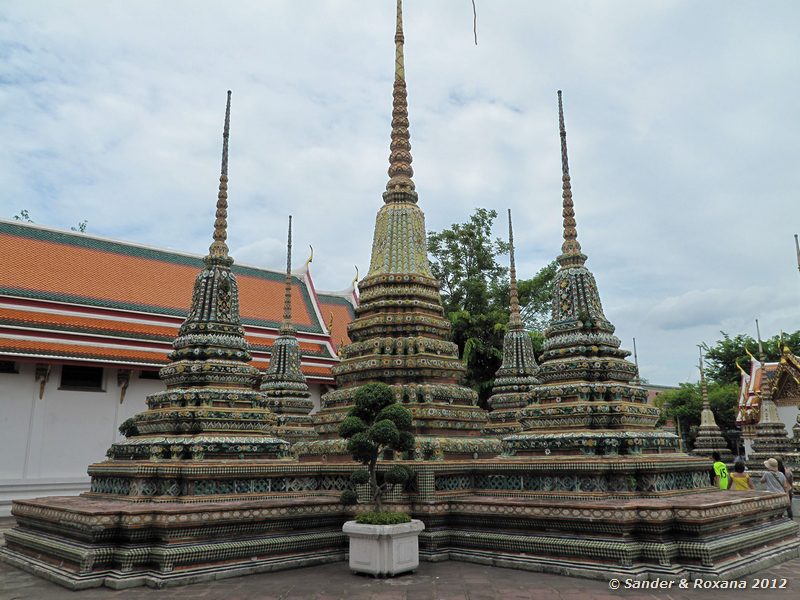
<point x="587" y="401"/>
<point x="516" y="376"/>
<point x="209" y="410"/>
<point x="771" y="438"/>
<point x="400" y="335"/>
<point x="709" y="437"/>
<point x="284" y="384"/>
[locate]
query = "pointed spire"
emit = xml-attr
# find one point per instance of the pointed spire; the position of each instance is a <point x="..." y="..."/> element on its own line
<point x="218" y="248"/>
<point x="703" y="386"/>
<point x="400" y="186"/>
<point x="636" y="380"/>
<point x="514" y="321"/>
<point x="797" y="249"/>
<point x="766" y="392"/>
<point x="571" y="255"/>
<point x="286" y="326"/>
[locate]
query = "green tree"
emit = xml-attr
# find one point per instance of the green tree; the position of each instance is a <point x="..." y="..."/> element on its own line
<point x="464" y="260"/>
<point x="685" y="404"/>
<point x="81" y="226"/>
<point x="475" y="295"/>
<point x="23" y="216"/>
<point x="376" y="423"/>
<point x="721" y="358"/>
<point x="536" y="296"/>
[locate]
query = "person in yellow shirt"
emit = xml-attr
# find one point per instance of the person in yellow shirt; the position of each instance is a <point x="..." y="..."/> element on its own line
<point x="740" y="481"/>
<point x="721" y="477"/>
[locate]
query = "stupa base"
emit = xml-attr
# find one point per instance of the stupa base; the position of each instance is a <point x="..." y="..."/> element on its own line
<point x="80" y="542"/>
<point x="588" y="442"/>
<point x="638" y="517"/>
<point x="712" y="535"/>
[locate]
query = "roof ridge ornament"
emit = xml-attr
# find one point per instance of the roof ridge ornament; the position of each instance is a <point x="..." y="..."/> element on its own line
<point x="400" y="187"/>
<point x="571" y="255"/>
<point x="218" y="248"/>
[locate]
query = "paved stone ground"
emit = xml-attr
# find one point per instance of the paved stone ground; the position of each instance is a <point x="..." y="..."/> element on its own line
<point x="432" y="581"/>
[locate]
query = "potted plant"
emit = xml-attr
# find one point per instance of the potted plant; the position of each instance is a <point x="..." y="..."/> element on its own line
<point x="381" y="543"/>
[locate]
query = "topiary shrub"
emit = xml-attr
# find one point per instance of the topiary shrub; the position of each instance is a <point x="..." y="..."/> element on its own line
<point x="349" y="497"/>
<point x="383" y="518"/>
<point x="377" y="423"/>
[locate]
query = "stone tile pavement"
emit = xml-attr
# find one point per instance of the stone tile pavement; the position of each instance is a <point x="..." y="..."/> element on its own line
<point x="432" y="581"/>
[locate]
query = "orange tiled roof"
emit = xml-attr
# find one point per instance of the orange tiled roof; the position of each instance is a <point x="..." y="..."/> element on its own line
<point x="83" y="298"/>
<point x="39" y="348"/>
<point x="118" y="275"/>
<point x="102" y="353"/>
<point x="342" y="314"/>
<point x="11" y="316"/>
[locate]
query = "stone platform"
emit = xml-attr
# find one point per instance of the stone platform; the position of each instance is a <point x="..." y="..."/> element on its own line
<point x="596" y="517"/>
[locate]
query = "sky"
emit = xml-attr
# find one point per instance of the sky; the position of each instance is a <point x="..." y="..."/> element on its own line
<point x="681" y="122"/>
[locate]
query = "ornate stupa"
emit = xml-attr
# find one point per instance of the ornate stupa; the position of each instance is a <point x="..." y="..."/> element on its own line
<point x="210" y="409"/>
<point x="709" y="437"/>
<point x="284" y="384"/>
<point x="588" y="401"/>
<point x="771" y="439"/>
<point x="516" y="376"/>
<point x="400" y="335"/>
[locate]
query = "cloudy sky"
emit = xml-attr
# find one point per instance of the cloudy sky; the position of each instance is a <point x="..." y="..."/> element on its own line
<point x="682" y="121"/>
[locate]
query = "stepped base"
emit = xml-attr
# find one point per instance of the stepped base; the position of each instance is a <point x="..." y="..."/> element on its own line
<point x="590" y="442"/>
<point x="707" y="535"/>
<point x="81" y="542"/>
<point x="645" y="517"/>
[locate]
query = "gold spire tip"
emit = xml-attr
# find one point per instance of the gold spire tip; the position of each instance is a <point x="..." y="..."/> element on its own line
<point x="400" y="186"/>
<point x="514" y="321"/>
<point x="571" y="249"/>
<point x="286" y="326"/>
<point x="219" y="248"/>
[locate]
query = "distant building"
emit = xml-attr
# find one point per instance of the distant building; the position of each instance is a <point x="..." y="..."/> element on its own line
<point x="85" y="324"/>
<point x="784" y="379"/>
<point x="655" y="390"/>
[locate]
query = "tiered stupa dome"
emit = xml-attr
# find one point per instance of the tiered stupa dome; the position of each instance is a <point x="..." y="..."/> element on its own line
<point x="284" y="384"/>
<point x="210" y="409"/>
<point x="709" y="437"/>
<point x="516" y="377"/>
<point x="588" y="401"/>
<point x="400" y="335"/>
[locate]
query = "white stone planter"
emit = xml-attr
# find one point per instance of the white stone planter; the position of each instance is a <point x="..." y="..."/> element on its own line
<point x="384" y="550"/>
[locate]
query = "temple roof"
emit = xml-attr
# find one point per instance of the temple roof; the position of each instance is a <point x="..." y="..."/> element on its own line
<point x="75" y="296"/>
<point x="783" y="376"/>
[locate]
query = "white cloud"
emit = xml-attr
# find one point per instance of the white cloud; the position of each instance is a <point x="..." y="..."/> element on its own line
<point x="680" y="119"/>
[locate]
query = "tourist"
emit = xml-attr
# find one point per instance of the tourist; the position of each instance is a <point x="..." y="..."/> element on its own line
<point x="740" y="480"/>
<point x="721" y="477"/>
<point x="773" y="480"/>
<point x="787" y="473"/>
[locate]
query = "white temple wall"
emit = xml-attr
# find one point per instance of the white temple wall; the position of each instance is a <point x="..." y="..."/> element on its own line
<point x="316" y="394"/>
<point x="788" y="415"/>
<point x="46" y="444"/>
